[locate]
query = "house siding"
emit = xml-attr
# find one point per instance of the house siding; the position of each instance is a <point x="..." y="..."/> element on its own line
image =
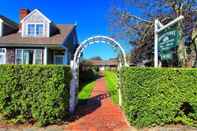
<point x="36" y="18"/>
<point x="10" y="55"/>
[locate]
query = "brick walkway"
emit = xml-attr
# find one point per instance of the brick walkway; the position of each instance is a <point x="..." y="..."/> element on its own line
<point x="99" y="113"/>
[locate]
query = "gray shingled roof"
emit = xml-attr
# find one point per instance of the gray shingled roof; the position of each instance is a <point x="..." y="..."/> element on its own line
<point x="15" y="39"/>
<point x="8" y="21"/>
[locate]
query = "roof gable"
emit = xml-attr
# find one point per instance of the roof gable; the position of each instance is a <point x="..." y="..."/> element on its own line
<point x="32" y="13"/>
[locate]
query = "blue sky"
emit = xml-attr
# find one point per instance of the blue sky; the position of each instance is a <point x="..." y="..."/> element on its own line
<point x="90" y="16"/>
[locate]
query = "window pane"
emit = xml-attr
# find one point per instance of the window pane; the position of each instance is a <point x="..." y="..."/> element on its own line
<point x="19" y="56"/>
<point x="24" y="56"/>
<point x="59" y="59"/>
<point x="31" y="29"/>
<point x="28" y="57"/>
<point x="39" y="29"/>
<point x="38" y="56"/>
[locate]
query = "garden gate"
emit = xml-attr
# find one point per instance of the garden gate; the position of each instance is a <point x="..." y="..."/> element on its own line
<point x="75" y="65"/>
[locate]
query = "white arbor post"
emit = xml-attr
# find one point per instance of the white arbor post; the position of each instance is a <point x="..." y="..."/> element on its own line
<point x="156" y="56"/>
<point x="158" y="28"/>
<point x="1" y="28"/>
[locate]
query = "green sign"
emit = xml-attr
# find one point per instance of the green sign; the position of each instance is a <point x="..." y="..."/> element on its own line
<point x="168" y="40"/>
<point x="166" y="56"/>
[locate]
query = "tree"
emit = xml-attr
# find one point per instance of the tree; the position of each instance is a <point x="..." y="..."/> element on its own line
<point x="96" y="58"/>
<point x="138" y="28"/>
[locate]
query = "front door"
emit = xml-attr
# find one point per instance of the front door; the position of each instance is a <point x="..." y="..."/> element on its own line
<point x="2" y="56"/>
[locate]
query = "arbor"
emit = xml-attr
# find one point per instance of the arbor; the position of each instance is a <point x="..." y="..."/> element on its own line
<point x="133" y="21"/>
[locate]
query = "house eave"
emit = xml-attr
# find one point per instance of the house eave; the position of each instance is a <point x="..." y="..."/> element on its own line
<point x="31" y="45"/>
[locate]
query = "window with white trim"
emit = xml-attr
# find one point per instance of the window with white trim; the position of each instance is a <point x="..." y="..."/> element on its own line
<point x="38" y="56"/>
<point x="19" y="56"/>
<point x="39" y="29"/>
<point x="35" y="30"/>
<point x="59" y="59"/>
<point x="31" y="29"/>
<point x="28" y="56"/>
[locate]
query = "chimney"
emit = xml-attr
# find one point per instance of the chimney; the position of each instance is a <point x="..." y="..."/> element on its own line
<point x="22" y="13"/>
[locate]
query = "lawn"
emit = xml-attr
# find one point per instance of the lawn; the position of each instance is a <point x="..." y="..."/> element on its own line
<point x="112" y="82"/>
<point x="86" y="91"/>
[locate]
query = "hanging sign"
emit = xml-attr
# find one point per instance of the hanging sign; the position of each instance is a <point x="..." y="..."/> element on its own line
<point x="168" y="40"/>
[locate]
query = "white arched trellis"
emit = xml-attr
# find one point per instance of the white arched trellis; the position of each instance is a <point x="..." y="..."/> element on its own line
<point x="75" y="64"/>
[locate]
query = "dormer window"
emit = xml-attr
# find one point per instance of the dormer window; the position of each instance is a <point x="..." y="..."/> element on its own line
<point x="31" y="29"/>
<point x="39" y="29"/>
<point x="35" y="30"/>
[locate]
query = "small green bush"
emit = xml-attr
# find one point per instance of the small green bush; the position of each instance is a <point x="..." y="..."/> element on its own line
<point x="38" y="93"/>
<point x="160" y="96"/>
<point x="88" y="75"/>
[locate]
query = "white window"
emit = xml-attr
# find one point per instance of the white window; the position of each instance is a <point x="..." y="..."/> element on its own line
<point x="38" y="56"/>
<point x="59" y="59"/>
<point x="28" y="56"/>
<point x="39" y="29"/>
<point x="31" y="29"/>
<point x="19" y="56"/>
<point x="2" y="55"/>
<point x="35" y="30"/>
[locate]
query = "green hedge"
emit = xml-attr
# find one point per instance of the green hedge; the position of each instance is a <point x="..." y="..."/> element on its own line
<point x="111" y="79"/>
<point x="38" y="93"/>
<point x="160" y="96"/>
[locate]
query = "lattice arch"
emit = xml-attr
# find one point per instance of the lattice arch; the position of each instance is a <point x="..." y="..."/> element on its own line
<point x="75" y="64"/>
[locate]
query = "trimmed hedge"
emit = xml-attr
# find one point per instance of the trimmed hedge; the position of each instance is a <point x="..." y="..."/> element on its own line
<point x="38" y="93"/>
<point x="112" y="85"/>
<point x="159" y="96"/>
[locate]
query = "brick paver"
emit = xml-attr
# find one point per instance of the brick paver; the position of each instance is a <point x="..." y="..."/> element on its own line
<point x="99" y="113"/>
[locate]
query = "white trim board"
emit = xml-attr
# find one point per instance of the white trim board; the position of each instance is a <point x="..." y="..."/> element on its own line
<point x="4" y="55"/>
<point x="1" y="29"/>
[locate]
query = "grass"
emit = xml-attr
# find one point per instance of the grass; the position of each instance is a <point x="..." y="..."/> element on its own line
<point x="86" y="91"/>
<point x="112" y="82"/>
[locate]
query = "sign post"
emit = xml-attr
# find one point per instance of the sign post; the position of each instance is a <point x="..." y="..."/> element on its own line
<point x="168" y="39"/>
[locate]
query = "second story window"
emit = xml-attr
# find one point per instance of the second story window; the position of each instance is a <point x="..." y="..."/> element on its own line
<point x="31" y="29"/>
<point x="39" y="29"/>
<point x="35" y="30"/>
